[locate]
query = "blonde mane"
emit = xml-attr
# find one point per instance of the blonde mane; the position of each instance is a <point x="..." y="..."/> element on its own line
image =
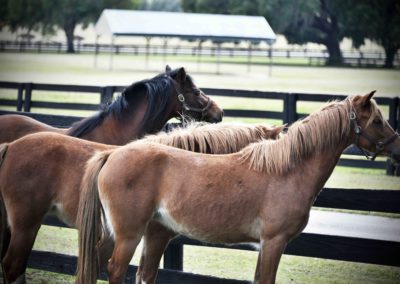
<point x="221" y="138"/>
<point x="319" y="132"/>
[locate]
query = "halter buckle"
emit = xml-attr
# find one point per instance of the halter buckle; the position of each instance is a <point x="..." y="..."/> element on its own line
<point x="357" y="129"/>
<point x="353" y="115"/>
<point x="181" y="98"/>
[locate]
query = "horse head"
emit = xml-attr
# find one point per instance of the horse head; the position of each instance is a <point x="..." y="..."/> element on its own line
<point x="191" y="101"/>
<point x="372" y="133"/>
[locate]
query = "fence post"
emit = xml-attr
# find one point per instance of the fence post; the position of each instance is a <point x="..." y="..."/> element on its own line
<point x="290" y="108"/>
<point x="394" y="117"/>
<point x="173" y="257"/>
<point x="20" y="98"/>
<point x="106" y="94"/>
<point x="28" y="97"/>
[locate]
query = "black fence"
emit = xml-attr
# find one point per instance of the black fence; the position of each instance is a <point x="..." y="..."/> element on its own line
<point x="314" y="56"/>
<point x="24" y="102"/>
<point x="380" y="250"/>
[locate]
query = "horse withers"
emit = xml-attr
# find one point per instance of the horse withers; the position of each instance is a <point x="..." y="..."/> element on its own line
<point x="142" y="108"/>
<point x="41" y="174"/>
<point x="261" y="194"/>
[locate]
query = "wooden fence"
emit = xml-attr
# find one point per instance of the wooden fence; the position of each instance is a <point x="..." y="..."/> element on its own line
<point x="24" y="102"/>
<point x="314" y="56"/>
<point x="382" y="249"/>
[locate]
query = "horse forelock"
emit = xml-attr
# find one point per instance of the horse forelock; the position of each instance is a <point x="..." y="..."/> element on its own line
<point x="320" y="131"/>
<point x="222" y="138"/>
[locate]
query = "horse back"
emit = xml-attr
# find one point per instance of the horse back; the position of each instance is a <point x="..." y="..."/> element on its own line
<point x="45" y="168"/>
<point x="14" y="126"/>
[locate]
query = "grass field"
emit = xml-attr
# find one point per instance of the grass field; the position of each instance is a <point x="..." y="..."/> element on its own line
<point x="78" y="69"/>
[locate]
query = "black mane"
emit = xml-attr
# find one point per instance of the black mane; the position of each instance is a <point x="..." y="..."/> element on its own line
<point x="157" y="91"/>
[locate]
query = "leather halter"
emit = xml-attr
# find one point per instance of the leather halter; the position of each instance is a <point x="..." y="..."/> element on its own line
<point x="186" y="107"/>
<point x="379" y="145"/>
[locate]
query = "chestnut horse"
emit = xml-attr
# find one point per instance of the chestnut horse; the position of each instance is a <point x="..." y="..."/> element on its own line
<point x="41" y="174"/>
<point x="144" y="107"/>
<point x="261" y="194"/>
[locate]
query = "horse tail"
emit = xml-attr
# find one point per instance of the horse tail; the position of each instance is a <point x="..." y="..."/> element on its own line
<point x="89" y="221"/>
<point x="5" y="232"/>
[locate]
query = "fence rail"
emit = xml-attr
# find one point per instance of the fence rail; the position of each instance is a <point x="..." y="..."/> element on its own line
<point x="314" y="56"/>
<point x="25" y="102"/>
<point x="382" y="250"/>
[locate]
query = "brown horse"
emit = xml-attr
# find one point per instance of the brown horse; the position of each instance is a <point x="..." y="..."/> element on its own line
<point x="261" y="194"/>
<point x="41" y="174"/>
<point x="144" y="107"/>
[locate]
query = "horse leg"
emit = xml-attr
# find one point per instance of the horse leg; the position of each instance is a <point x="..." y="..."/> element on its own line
<point x="5" y="241"/>
<point x="121" y="256"/>
<point x="270" y="255"/>
<point x="105" y="252"/>
<point x="16" y="257"/>
<point x="155" y="240"/>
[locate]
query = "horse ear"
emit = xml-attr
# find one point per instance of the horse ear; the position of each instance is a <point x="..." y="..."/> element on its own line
<point x="366" y="99"/>
<point x="277" y="131"/>
<point x="181" y="75"/>
<point x="168" y="69"/>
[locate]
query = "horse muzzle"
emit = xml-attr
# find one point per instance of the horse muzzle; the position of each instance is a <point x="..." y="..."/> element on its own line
<point x="215" y="118"/>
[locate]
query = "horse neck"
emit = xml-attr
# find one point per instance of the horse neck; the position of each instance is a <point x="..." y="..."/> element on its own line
<point x="119" y="131"/>
<point x="312" y="174"/>
<point x="115" y="131"/>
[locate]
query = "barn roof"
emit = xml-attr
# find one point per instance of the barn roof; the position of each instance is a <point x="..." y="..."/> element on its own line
<point x="184" y="25"/>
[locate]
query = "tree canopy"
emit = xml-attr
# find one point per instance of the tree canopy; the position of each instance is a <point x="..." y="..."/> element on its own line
<point x="378" y="21"/>
<point x="65" y="14"/>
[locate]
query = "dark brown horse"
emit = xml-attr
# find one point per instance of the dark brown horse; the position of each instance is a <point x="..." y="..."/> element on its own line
<point x="41" y="174"/>
<point x="261" y="194"/>
<point x="144" y="107"/>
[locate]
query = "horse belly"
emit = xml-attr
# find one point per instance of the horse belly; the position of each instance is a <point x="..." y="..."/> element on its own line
<point x="246" y="233"/>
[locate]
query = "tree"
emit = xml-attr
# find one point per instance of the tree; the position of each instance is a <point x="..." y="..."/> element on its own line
<point x="3" y="13"/>
<point x="65" y="14"/>
<point x="161" y="5"/>
<point x="233" y="7"/>
<point x="317" y="21"/>
<point x="21" y="14"/>
<point x="378" y="21"/>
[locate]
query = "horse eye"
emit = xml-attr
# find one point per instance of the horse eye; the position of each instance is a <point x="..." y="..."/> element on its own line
<point x="377" y="121"/>
<point x="196" y="91"/>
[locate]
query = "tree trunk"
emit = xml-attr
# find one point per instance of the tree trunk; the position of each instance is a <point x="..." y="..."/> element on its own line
<point x="332" y="43"/>
<point x="390" y="52"/>
<point x="69" y="29"/>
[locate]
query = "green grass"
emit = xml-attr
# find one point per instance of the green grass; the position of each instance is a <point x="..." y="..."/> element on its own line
<point x="78" y="69"/>
<point x="228" y="263"/>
